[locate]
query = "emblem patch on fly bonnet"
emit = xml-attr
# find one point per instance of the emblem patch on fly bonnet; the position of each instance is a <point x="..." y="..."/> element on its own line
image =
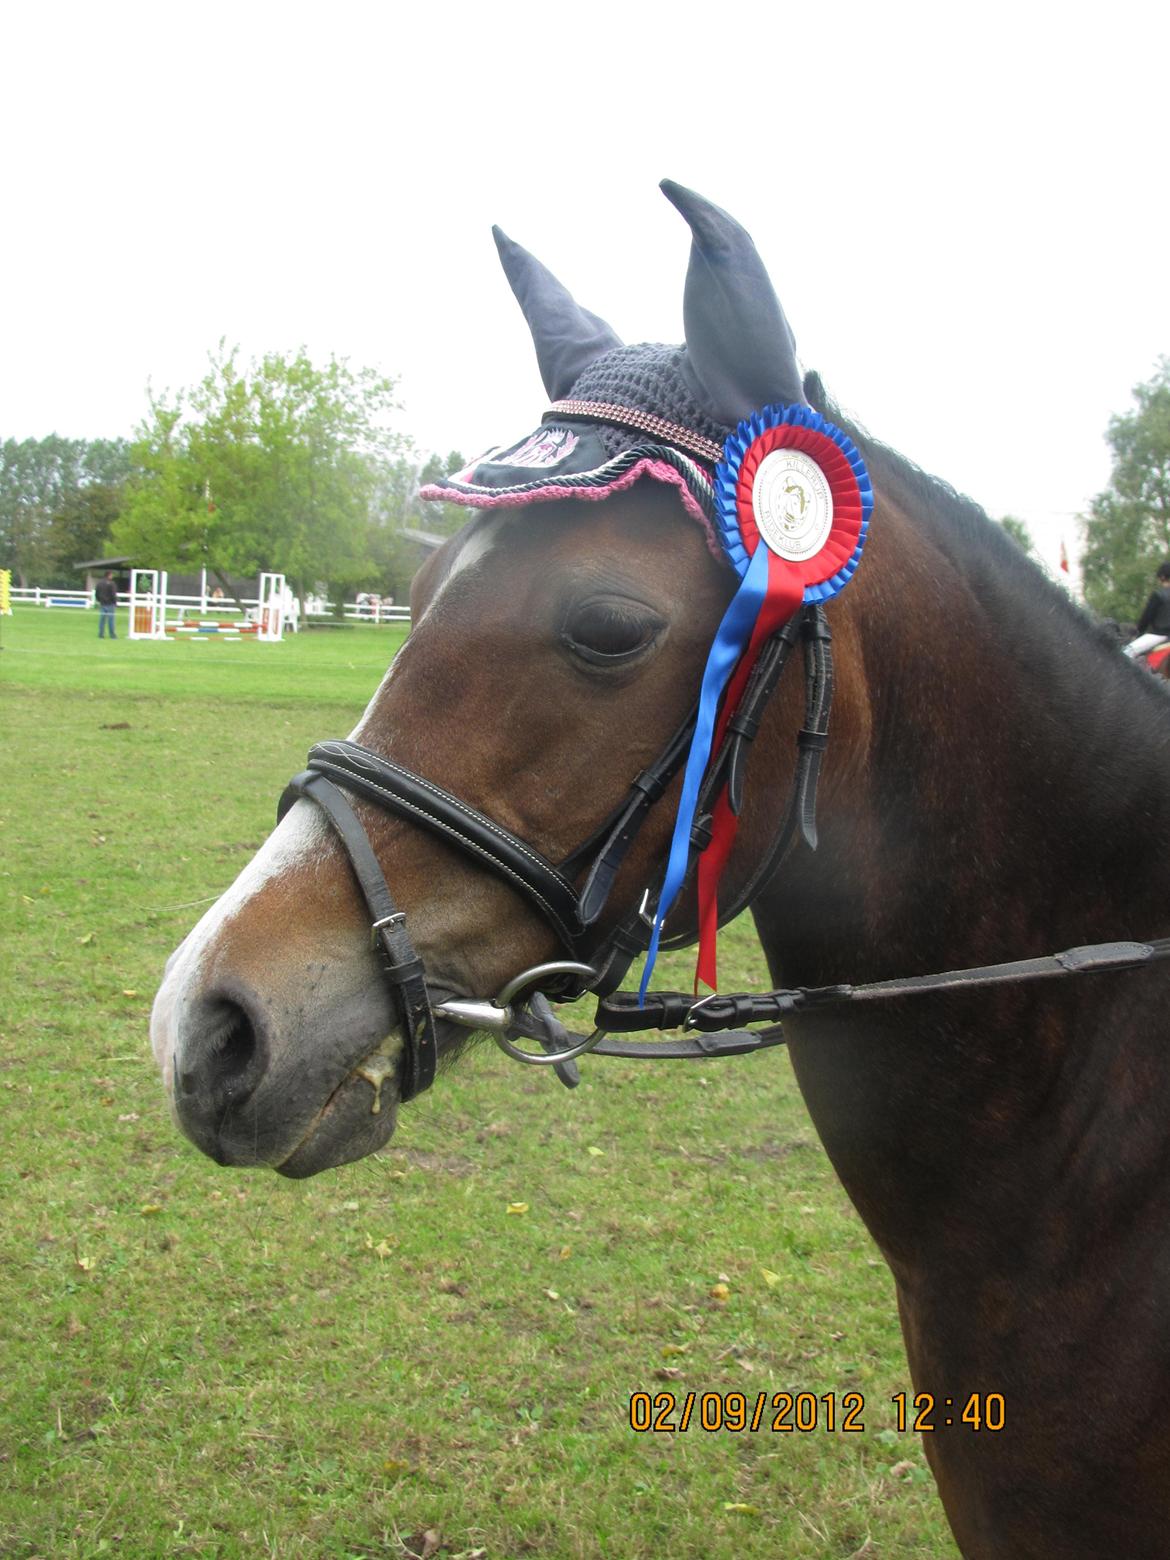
<point x="546" y="447"/>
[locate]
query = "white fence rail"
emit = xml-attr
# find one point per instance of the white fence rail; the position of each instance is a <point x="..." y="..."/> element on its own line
<point x="32" y="595"/>
<point x="317" y="609"/>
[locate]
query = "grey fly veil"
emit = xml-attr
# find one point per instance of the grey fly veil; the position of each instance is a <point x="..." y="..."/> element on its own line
<point x="620" y="412"/>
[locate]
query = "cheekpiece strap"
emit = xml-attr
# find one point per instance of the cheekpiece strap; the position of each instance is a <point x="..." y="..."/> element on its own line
<point x="403" y="968"/>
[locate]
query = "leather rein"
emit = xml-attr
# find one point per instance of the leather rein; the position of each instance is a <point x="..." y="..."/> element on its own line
<point x="598" y="963"/>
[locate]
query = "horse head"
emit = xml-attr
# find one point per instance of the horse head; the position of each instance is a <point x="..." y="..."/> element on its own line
<point x="558" y="643"/>
<point x="998" y="786"/>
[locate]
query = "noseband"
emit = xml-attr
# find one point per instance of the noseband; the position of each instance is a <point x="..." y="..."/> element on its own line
<point x="598" y="963"/>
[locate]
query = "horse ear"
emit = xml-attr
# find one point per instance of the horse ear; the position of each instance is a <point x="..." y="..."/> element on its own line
<point x="741" y="353"/>
<point x="567" y="337"/>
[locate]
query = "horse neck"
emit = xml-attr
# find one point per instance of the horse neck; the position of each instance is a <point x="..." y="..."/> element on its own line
<point x="997" y="774"/>
<point x="995" y="788"/>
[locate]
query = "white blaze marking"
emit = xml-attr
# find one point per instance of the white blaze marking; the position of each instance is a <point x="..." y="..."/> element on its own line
<point x="300" y="836"/>
<point x="478" y="544"/>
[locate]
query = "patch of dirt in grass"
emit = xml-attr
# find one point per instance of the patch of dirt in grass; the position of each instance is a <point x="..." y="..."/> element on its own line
<point x="448" y="1164"/>
<point x="773" y="1150"/>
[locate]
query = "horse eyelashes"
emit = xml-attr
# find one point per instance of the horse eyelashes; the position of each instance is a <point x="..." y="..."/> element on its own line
<point x="602" y="630"/>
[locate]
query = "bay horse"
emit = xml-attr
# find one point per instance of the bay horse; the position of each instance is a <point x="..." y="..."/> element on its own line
<point x="996" y="787"/>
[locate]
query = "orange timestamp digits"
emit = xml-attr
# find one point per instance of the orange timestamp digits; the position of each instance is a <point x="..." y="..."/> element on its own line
<point x="778" y="1412"/>
<point x="924" y="1412"/>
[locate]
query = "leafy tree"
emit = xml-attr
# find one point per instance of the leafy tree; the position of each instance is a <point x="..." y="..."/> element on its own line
<point x="58" y="498"/>
<point x="164" y="522"/>
<point x="439" y="519"/>
<point x="1127" y="529"/>
<point x="80" y="526"/>
<point x="275" y="465"/>
<point x="398" y="512"/>
<point x="1018" y="531"/>
<point x="392" y="557"/>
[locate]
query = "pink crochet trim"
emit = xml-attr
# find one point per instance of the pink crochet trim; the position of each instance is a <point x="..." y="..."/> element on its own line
<point x="658" y="469"/>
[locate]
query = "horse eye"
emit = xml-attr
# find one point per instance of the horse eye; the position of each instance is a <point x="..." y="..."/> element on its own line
<point x="606" y="631"/>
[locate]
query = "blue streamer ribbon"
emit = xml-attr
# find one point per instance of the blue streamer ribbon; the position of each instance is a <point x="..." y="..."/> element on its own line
<point x="730" y="642"/>
<point x="739" y="620"/>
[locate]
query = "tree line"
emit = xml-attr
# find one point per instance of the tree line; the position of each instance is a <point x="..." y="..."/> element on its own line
<point x="282" y="464"/>
<point x="275" y="464"/>
<point x="1127" y="528"/>
<point x="59" y="499"/>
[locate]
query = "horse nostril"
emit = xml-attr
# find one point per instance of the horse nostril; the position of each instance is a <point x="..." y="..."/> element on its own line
<point x="228" y="1060"/>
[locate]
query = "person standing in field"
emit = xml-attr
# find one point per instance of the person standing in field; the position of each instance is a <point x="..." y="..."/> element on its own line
<point x="1155" y="618"/>
<point x="106" y="595"/>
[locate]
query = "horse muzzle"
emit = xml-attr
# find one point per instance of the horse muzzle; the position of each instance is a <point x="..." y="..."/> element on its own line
<point x="296" y="1087"/>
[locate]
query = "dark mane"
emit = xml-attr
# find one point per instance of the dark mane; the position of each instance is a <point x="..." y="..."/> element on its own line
<point x="986" y="553"/>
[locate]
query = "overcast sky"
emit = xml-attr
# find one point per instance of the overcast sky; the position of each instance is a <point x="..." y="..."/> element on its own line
<point x="964" y="210"/>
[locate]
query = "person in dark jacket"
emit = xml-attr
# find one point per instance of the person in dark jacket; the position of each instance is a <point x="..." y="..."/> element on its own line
<point x="1155" y="618"/>
<point x="106" y="594"/>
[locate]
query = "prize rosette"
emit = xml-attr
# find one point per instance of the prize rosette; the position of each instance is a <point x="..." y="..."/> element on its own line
<point x="793" y="501"/>
<point x="794" y="480"/>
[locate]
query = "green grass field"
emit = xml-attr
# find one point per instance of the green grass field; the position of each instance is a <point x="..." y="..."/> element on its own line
<point x="382" y="1360"/>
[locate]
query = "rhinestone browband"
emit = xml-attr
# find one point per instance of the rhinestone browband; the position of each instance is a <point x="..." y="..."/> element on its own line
<point x="644" y="422"/>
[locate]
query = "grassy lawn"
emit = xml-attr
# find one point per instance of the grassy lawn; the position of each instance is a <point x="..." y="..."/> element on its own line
<point x="382" y="1360"/>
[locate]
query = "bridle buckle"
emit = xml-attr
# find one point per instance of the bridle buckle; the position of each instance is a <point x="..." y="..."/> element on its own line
<point x="397" y="919"/>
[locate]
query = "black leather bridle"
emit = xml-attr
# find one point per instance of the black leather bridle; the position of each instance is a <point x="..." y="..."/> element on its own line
<point x="598" y="963"/>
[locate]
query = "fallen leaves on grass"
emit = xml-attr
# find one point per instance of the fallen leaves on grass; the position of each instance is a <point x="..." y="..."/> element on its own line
<point x="421" y="1546"/>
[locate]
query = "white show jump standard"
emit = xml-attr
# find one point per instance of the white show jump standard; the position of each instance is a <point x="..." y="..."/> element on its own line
<point x="271" y="608"/>
<point x="148" y="604"/>
<point x="148" y="613"/>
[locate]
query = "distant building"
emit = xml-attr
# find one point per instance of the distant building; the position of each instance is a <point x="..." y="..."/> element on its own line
<point x="97" y="568"/>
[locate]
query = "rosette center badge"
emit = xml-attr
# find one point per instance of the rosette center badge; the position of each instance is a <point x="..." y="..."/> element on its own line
<point x="792" y="504"/>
